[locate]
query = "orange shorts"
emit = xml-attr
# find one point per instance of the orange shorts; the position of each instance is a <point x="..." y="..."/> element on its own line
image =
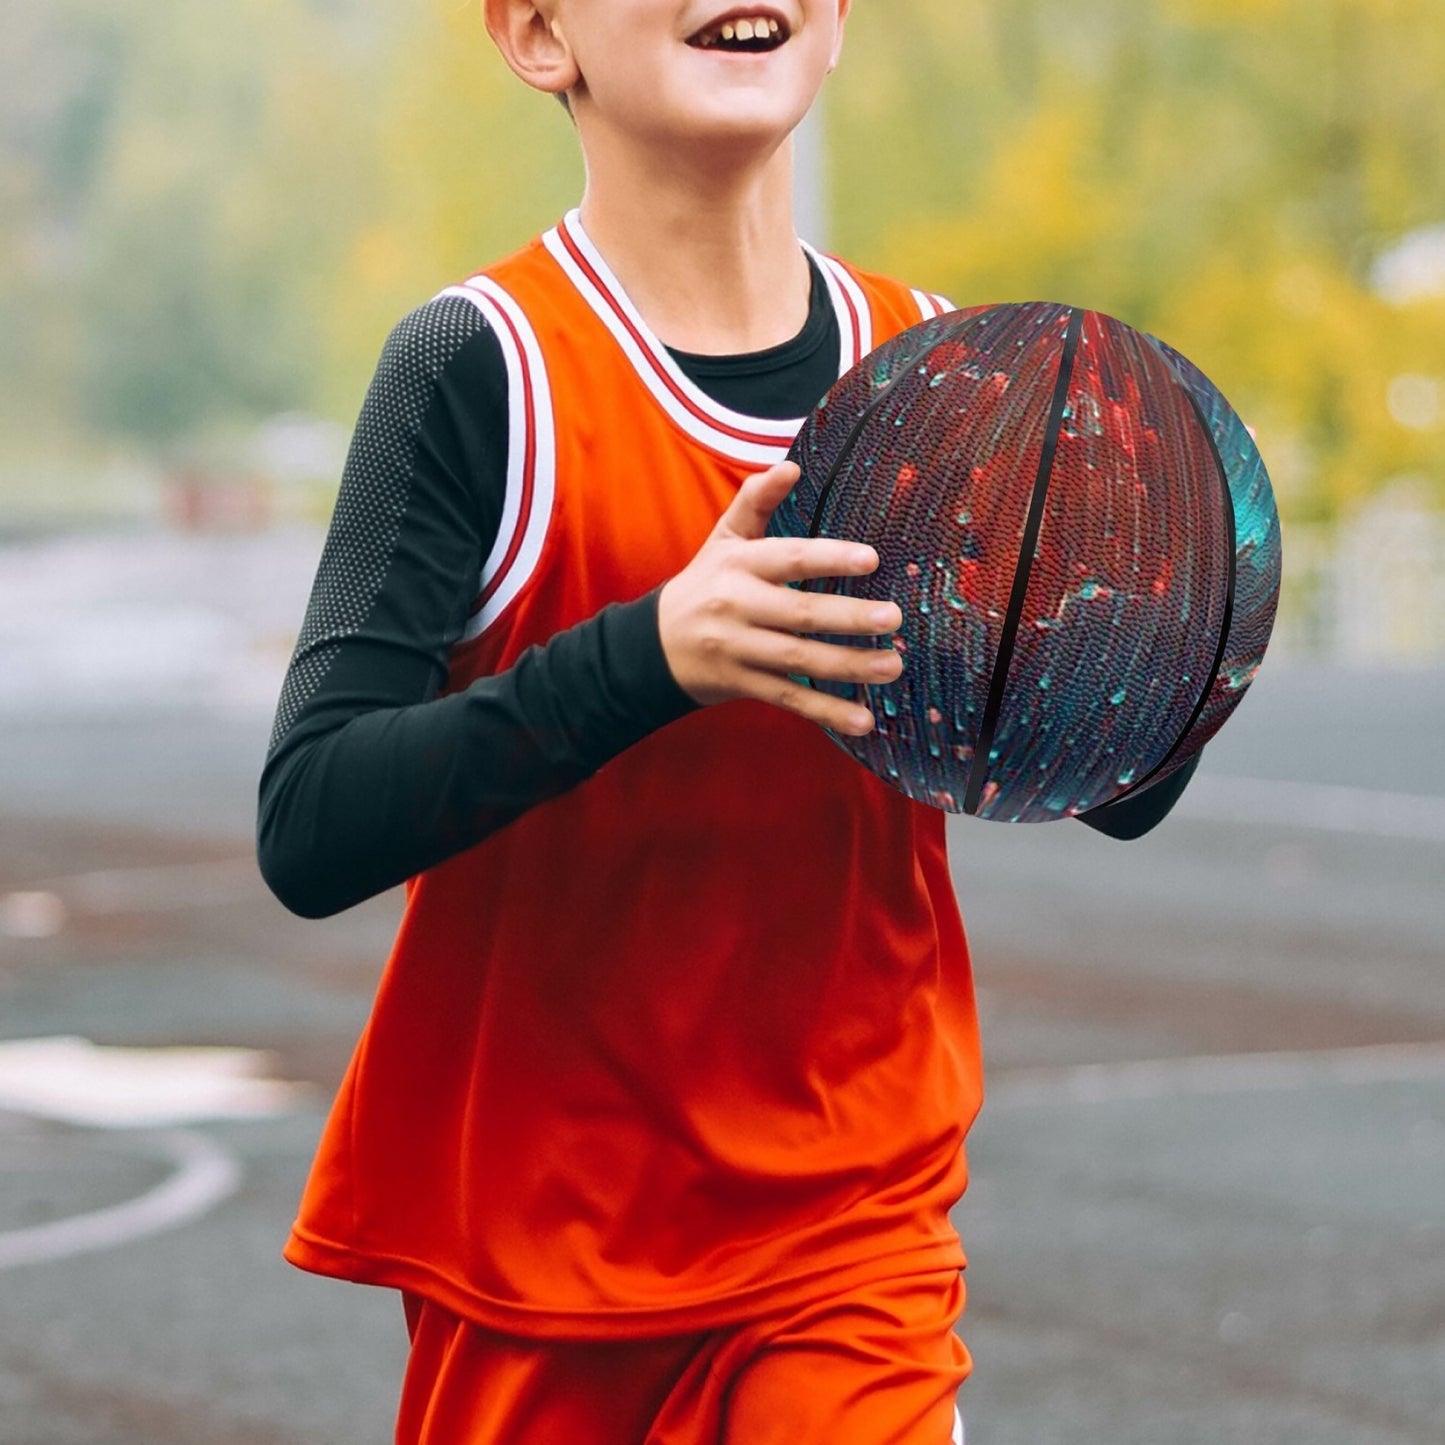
<point x="880" y="1366"/>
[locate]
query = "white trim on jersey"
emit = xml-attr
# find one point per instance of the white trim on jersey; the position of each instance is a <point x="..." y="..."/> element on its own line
<point x="930" y="306"/>
<point x="531" y="454"/>
<point x="757" y="440"/>
<point x="760" y="441"/>
<point x="855" y="318"/>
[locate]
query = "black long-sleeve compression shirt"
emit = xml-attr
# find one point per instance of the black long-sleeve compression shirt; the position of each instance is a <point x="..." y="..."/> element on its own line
<point x="371" y="777"/>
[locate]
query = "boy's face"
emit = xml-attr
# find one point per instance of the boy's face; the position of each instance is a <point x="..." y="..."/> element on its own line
<point x="723" y="72"/>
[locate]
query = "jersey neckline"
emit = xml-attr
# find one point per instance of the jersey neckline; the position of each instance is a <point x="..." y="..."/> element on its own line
<point x="796" y="349"/>
<point x="757" y="440"/>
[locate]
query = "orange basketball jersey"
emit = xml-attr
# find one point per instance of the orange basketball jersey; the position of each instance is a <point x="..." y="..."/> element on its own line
<point x="696" y="1039"/>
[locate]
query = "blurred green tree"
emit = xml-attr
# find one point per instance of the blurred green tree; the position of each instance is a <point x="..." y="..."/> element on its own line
<point x="185" y="188"/>
<point x="1221" y="173"/>
<point x="212" y="214"/>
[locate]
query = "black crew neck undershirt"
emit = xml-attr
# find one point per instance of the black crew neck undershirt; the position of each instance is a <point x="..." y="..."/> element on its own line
<point x="783" y="382"/>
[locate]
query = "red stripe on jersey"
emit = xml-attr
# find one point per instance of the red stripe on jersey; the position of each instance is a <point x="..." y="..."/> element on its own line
<point x="529" y="465"/>
<point x="617" y="310"/>
<point x="853" y="318"/>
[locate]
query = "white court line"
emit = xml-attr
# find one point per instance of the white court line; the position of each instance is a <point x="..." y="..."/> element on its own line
<point x="205" y="1175"/>
<point x="106" y="1086"/>
<point x="1258" y="802"/>
<point x="40" y="910"/>
<point x="1214" y="1074"/>
<point x="169" y="885"/>
<point x="1326" y="807"/>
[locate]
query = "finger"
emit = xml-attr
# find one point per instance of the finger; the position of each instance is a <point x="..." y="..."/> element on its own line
<point x="787" y="609"/>
<point x="798" y="559"/>
<point x="757" y="499"/>
<point x="804" y="657"/>
<point x="851" y="719"/>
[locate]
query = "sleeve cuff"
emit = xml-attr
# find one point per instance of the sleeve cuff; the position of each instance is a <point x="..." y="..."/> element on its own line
<point x="638" y="677"/>
<point x="1140" y="812"/>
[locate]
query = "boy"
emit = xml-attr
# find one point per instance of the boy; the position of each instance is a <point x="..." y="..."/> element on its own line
<point x="660" y="1111"/>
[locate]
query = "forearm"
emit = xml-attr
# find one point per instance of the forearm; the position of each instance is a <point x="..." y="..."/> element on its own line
<point x="349" y="810"/>
<point x="371" y="777"/>
<point x="1135" y="815"/>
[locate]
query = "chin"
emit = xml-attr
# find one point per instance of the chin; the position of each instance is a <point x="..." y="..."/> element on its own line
<point x="736" y="122"/>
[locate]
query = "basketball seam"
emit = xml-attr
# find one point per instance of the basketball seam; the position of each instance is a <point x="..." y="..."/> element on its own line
<point x="1226" y="621"/>
<point x="860" y="689"/>
<point x="978" y="768"/>
<point x="846" y="450"/>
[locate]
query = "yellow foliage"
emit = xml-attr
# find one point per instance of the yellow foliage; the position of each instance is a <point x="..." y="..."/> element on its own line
<point x="1221" y="173"/>
<point x="1235" y="14"/>
<point x="269" y="186"/>
<point x="472" y="164"/>
<point x="1036" y="231"/>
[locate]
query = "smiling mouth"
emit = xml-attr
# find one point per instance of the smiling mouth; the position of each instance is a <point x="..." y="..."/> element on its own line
<point x="747" y="34"/>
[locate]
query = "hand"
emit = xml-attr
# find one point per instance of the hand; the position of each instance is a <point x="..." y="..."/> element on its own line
<point x="730" y="623"/>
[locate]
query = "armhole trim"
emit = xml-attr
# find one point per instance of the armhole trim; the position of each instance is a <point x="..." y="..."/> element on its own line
<point x="931" y="306"/>
<point x="531" y="456"/>
<point x="759" y="441"/>
<point x="855" y="316"/>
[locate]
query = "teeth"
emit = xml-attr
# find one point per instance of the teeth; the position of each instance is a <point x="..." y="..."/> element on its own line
<point x="750" y="28"/>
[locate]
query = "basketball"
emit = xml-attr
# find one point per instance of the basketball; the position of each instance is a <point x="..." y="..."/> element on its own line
<point x="1082" y="537"/>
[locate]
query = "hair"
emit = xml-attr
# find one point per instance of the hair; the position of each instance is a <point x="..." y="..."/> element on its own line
<point x="566" y="102"/>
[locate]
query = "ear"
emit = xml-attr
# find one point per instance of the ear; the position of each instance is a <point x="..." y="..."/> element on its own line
<point x="532" y="43"/>
<point x="844" y="6"/>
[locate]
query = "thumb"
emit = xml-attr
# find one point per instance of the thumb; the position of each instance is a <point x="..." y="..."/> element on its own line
<point x="757" y="499"/>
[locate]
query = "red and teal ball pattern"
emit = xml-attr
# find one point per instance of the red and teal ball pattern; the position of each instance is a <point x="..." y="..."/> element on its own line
<point x="1257" y="555"/>
<point x="1037" y="688"/>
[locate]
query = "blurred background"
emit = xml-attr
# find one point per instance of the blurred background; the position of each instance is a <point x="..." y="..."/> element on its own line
<point x="211" y="221"/>
<point x="210" y="218"/>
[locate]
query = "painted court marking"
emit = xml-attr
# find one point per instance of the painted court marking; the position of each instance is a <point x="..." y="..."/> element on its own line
<point x="105" y="1087"/>
<point x="205" y="1175"/>
<point x="75" y="1081"/>
<point x="41" y="910"/>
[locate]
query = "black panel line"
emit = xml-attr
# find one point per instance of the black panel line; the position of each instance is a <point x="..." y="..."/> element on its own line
<point x="860" y="689"/>
<point x="905" y="371"/>
<point x="978" y="769"/>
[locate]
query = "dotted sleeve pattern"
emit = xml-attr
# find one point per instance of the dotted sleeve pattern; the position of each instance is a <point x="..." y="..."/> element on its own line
<point x="371" y="776"/>
<point x="375" y="493"/>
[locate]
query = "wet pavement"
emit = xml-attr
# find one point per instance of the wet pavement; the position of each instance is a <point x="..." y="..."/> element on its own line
<point x="1208" y="1198"/>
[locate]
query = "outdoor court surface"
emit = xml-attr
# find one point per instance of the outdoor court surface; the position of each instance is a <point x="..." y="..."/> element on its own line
<point x="1209" y="1182"/>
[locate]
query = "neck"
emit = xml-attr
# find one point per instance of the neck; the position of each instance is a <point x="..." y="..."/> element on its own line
<point x="707" y="253"/>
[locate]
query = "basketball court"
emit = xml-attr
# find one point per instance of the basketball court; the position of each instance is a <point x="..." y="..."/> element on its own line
<point x="1209" y="1181"/>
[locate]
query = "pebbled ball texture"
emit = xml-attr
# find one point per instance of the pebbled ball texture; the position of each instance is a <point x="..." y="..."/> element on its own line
<point x="1037" y="688"/>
